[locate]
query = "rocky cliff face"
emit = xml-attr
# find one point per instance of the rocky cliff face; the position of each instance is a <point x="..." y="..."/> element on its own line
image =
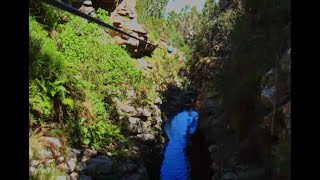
<point x="141" y="123"/>
<point x="247" y="126"/>
<point x="276" y="97"/>
<point x="109" y="5"/>
<point x="230" y="155"/>
<point x="133" y="160"/>
<point x="124" y="17"/>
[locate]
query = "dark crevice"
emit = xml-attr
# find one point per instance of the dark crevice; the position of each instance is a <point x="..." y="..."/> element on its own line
<point x="176" y="100"/>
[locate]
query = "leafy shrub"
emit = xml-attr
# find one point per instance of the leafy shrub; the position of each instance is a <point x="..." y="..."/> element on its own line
<point x="75" y="74"/>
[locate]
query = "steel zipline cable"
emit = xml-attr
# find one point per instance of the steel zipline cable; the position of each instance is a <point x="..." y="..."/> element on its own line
<point x="75" y="11"/>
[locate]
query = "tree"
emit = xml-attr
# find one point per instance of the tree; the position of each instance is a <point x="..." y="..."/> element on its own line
<point x="151" y="8"/>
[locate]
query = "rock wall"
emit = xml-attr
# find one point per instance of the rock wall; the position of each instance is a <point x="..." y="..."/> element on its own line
<point x="229" y="154"/>
<point x="125" y="18"/>
<point x="89" y="164"/>
<point x="247" y="126"/>
<point x="143" y="126"/>
<point x="276" y="97"/>
<point x="109" y="5"/>
<point x="144" y="123"/>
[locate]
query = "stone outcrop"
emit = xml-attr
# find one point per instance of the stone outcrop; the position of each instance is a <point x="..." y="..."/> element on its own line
<point x="214" y="123"/>
<point x="109" y="5"/>
<point x="124" y="17"/>
<point x="242" y="121"/>
<point x="144" y="123"/>
<point x="144" y="126"/>
<point x="226" y="149"/>
<point x="277" y="95"/>
<point x="278" y="117"/>
<point x="87" y="8"/>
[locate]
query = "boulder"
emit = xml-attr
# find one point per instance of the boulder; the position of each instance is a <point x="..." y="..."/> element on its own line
<point x="62" y="178"/>
<point x="131" y="94"/>
<point x="35" y="163"/>
<point x="87" y="8"/>
<point x="74" y="176"/>
<point x="32" y="171"/>
<point x="55" y="141"/>
<point x="128" y="109"/>
<point x="158" y="101"/>
<point x="87" y="154"/>
<point x="135" y="125"/>
<point x="229" y="176"/>
<point x="146" y="125"/>
<point x="101" y="164"/>
<point x="71" y="164"/>
<point x="124" y="17"/>
<point x="146" y="137"/>
<point x="109" y="5"/>
<point x="81" y="166"/>
<point x="45" y="153"/>
<point x="74" y="153"/>
<point x="143" y="112"/>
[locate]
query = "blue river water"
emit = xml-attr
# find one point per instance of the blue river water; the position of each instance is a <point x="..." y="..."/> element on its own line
<point x="175" y="164"/>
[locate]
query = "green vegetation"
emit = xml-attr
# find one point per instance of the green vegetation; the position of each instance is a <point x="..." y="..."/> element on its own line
<point x="152" y="17"/>
<point x="247" y="39"/>
<point x="49" y="173"/>
<point x="76" y="72"/>
<point x="72" y="76"/>
<point x="166" y="68"/>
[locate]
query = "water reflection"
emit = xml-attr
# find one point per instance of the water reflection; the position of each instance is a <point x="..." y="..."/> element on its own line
<point x="175" y="165"/>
